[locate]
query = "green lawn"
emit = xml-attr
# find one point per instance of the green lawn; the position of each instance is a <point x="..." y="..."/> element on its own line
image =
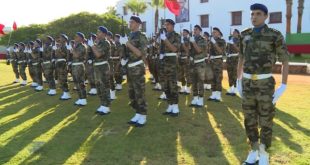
<point x="38" y="129"/>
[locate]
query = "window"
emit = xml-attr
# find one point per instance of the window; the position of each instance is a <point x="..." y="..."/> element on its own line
<point x="203" y="1"/>
<point x="143" y="28"/>
<point x="236" y="18"/>
<point x="275" y="17"/>
<point x="125" y="11"/>
<point x="204" y="20"/>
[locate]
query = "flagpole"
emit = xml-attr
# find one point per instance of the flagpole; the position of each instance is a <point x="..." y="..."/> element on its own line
<point x="10" y="39"/>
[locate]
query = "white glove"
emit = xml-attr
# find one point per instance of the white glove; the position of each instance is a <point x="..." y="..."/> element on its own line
<point x="69" y="63"/>
<point x="53" y="60"/>
<point x="124" y="62"/>
<point x="26" y="50"/>
<point x="8" y="49"/>
<point x="90" y="42"/>
<point x="182" y="40"/>
<point x="191" y="58"/>
<point x="213" y="40"/>
<point x="230" y="42"/>
<point x="54" y="47"/>
<point x="29" y="51"/>
<point x="279" y="92"/>
<point x="163" y="36"/>
<point x="123" y="40"/>
<point x="90" y="61"/>
<point x="41" y="49"/>
<point x="15" y="50"/>
<point x="161" y="56"/>
<point x="192" y="39"/>
<point x="239" y="87"/>
<point x="154" y="44"/>
<point x="69" y="47"/>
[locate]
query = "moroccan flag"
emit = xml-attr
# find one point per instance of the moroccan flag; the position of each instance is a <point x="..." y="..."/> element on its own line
<point x="1" y="29"/>
<point x="14" y="26"/>
<point x="173" y="6"/>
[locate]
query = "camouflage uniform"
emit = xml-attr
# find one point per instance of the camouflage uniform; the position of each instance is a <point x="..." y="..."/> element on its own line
<point x="116" y="55"/>
<point x="22" y="63"/>
<point x="102" y="72"/>
<point x="13" y="61"/>
<point x="198" y="75"/>
<point x="136" y="74"/>
<point x="232" y="62"/>
<point x="260" y="50"/>
<point x="78" y="71"/>
<point x="170" y="69"/>
<point x="61" y="56"/>
<point x="89" y="68"/>
<point x="154" y="52"/>
<point x="36" y="64"/>
<point x="184" y="65"/>
<point x="217" y="64"/>
<point x="111" y="63"/>
<point x="48" y="66"/>
<point x="30" y="66"/>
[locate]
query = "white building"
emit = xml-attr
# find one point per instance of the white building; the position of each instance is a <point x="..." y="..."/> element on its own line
<point x="225" y="14"/>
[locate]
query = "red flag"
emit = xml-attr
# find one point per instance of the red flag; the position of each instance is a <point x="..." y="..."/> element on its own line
<point x="14" y="26"/>
<point x="173" y="6"/>
<point x="1" y="29"/>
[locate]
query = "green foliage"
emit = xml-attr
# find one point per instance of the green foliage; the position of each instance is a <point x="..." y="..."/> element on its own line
<point x="136" y="6"/>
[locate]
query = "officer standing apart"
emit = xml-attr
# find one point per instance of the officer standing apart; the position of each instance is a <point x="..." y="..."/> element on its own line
<point x="137" y="45"/>
<point x="171" y="42"/>
<point x="102" y="50"/>
<point x="260" y="47"/>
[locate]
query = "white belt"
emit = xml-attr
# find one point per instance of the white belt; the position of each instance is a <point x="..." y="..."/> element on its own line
<point x="46" y="62"/>
<point x="77" y="63"/>
<point x="170" y="54"/>
<point x="11" y="60"/>
<point x="21" y="62"/>
<point x="199" y="61"/>
<point x="216" y="57"/>
<point x="184" y="57"/>
<point x="233" y="55"/>
<point x="36" y="63"/>
<point x="114" y="58"/>
<point x="135" y="63"/>
<point x="61" y="59"/>
<point x="100" y="63"/>
<point x="256" y="76"/>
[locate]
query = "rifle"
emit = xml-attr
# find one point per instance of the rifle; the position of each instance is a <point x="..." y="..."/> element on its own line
<point x="123" y="35"/>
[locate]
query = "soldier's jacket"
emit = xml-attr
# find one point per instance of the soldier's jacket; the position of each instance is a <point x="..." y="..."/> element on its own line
<point x="201" y="42"/>
<point x="219" y="42"/>
<point x="104" y="48"/>
<point x="229" y="47"/>
<point x="36" y="55"/>
<point x="29" y="57"/>
<point x="90" y="53"/>
<point x="138" y="40"/>
<point x="261" y="50"/>
<point x="186" y="44"/>
<point x="112" y="48"/>
<point x="175" y="39"/>
<point x="47" y="54"/>
<point x="119" y="50"/>
<point x="21" y="56"/>
<point x="79" y="52"/>
<point x="61" y="52"/>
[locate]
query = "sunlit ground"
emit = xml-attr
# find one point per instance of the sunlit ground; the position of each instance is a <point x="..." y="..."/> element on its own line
<point x="38" y="129"/>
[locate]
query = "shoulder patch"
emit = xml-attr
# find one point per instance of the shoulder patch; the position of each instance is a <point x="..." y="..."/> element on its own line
<point x="247" y="30"/>
<point x="275" y="31"/>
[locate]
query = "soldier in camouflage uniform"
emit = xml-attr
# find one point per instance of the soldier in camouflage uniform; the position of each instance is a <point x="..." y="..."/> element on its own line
<point x="171" y="42"/>
<point x="217" y="49"/>
<point x="209" y="72"/>
<point x="184" y="63"/>
<point x="232" y="50"/>
<point x="61" y="57"/>
<point x="36" y="55"/>
<point x="116" y="58"/>
<point x="89" y="67"/>
<point x="29" y="63"/>
<point x="154" y="53"/>
<point x="79" y="54"/>
<point x="137" y="45"/>
<point x="12" y="59"/>
<point x="22" y="63"/>
<point x="198" y="76"/>
<point x="102" y="50"/>
<point x="260" y="48"/>
<point x="48" y="66"/>
<point x="111" y="62"/>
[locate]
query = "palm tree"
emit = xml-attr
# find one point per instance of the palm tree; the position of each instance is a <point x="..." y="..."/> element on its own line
<point x="157" y="4"/>
<point x="300" y="12"/>
<point x="289" y="4"/>
<point x="136" y="6"/>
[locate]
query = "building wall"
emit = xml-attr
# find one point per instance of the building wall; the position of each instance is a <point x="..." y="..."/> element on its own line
<point x="220" y="14"/>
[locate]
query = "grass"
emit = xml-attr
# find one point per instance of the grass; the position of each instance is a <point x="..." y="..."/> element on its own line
<point x="38" y="129"/>
<point x="304" y="58"/>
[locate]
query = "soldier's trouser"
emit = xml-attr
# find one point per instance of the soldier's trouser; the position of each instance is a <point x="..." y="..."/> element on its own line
<point x="184" y="72"/>
<point x="15" y="69"/>
<point x="150" y="62"/>
<point x="38" y="74"/>
<point x="102" y="80"/>
<point x="209" y="74"/>
<point x="136" y="88"/>
<point x="48" y="71"/>
<point x="56" y="73"/>
<point x="161" y="74"/>
<point x="31" y="72"/>
<point x="90" y="75"/>
<point x="198" y="78"/>
<point x="22" y="70"/>
<point x="111" y="75"/>
<point x="232" y="64"/>
<point x="117" y="71"/>
<point x="258" y="109"/>
<point x="217" y="69"/>
<point x="78" y="74"/>
<point x="62" y="74"/>
<point x="170" y="80"/>
<point x="156" y="70"/>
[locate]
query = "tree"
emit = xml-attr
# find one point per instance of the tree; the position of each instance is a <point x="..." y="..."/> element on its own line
<point x="136" y="6"/>
<point x="157" y="4"/>
<point x="289" y="4"/>
<point x="300" y="13"/>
